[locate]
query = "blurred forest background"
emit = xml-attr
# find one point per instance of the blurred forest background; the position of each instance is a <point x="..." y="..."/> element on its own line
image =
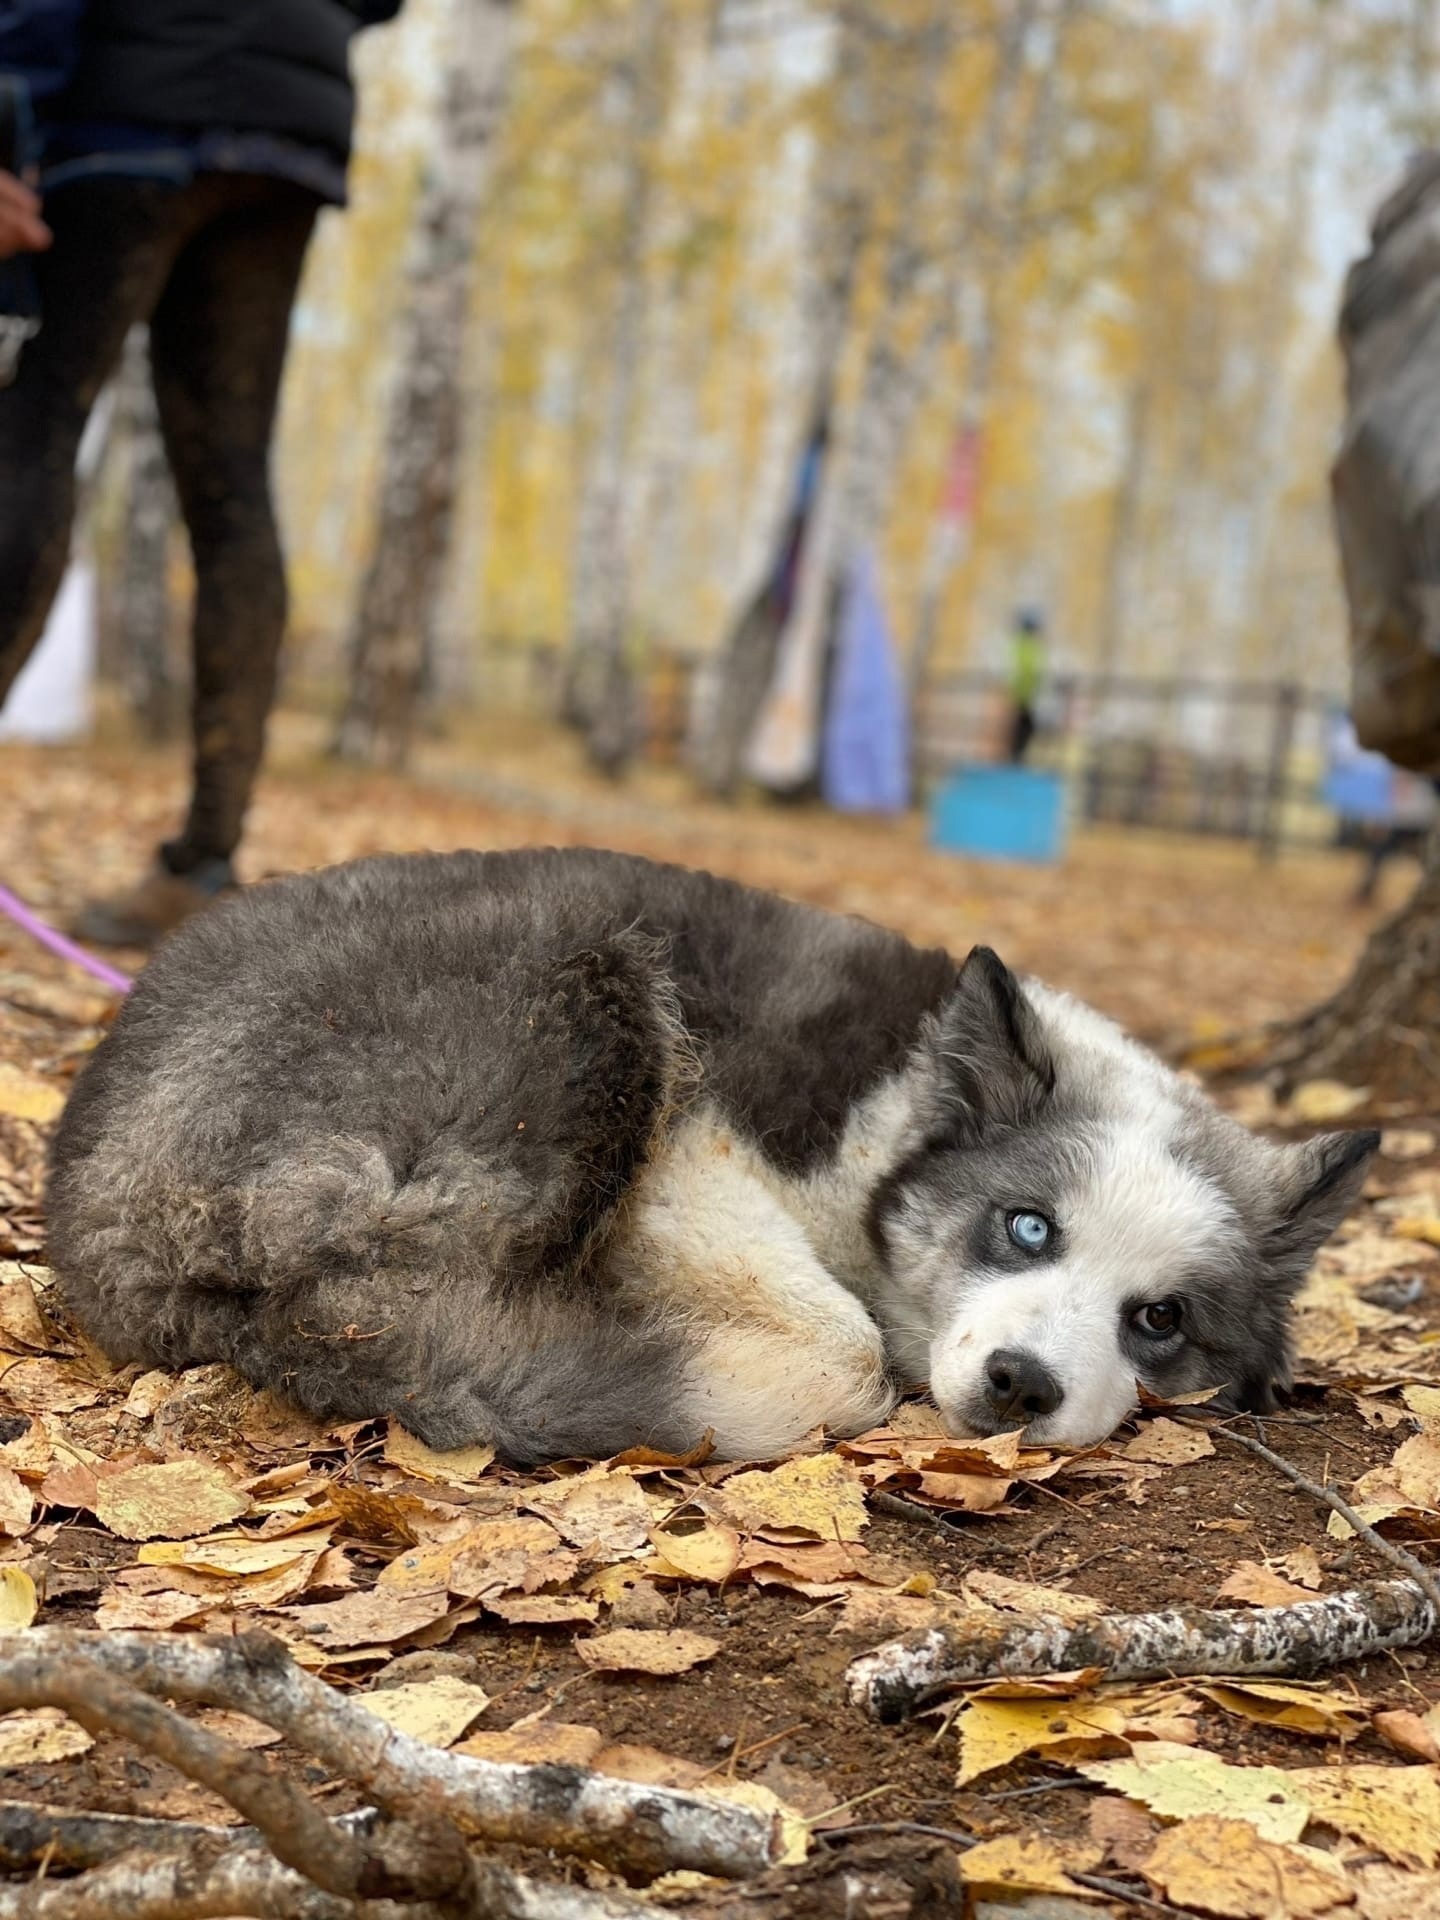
<point x="1057" y="278"/>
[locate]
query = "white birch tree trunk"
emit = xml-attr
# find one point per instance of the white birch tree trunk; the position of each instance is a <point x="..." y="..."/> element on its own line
<point x="951" y="532"/>
<point x="858" y="480"/>
<point x="599" y="693"/>
<point x="838" y="225"/>
<point x="418" y="486"/>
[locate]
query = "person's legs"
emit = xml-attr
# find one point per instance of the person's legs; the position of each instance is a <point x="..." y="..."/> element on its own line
<point x="114" y="242"/>
<point x="218" y="342"/>
<point x="217" y="345"/>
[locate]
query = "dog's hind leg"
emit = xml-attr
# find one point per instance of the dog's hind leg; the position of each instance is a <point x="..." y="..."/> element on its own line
<point x="770" y="1345"/>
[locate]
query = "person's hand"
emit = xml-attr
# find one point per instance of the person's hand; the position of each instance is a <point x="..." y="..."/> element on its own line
<point x="21" y="228"/>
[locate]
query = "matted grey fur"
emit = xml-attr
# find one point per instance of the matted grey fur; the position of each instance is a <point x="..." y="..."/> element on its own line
<point x="569" y="1151"/>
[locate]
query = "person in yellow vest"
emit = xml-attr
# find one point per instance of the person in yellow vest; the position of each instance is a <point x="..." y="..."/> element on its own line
<point x="1027" y="673"/>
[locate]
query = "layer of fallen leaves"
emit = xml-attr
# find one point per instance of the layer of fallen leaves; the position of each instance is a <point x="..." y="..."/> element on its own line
<point x="357" y="1545"/>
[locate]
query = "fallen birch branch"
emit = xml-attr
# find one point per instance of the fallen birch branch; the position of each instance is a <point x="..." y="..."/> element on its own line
<point x="638" y="1830"/>
<point x="893" y="1680"/>
<point x="186" y="1871"/>
<point x="1306" y="1638"/>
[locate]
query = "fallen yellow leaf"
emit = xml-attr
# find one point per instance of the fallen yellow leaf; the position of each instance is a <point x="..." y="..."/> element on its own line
<point x="19" y="1602"/>
<point x="1020" y="1596"/>
<point x="39" y="1735"/>
<point x="604" y="1508"/>
<point x="438" y="1711"/>
<point x="710" y="1553"/>
<point x="996" y="1728"/>
<point x="1180" y="1783"/>
<point x="1282" y="1703"/>
<point x="1318" y="1101"/>
<point x="1169" y="1443"/>
<point x="1025" y="1863"/>
<point x="1225" y="1867"/>
<point x="454" y="1468"/>
<point x="819" y="1495"/>
<point x="173" y="1501"/>
<point x="25" y="1097"/>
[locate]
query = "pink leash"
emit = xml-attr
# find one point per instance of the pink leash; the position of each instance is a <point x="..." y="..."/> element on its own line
<point x="58" y="944"/>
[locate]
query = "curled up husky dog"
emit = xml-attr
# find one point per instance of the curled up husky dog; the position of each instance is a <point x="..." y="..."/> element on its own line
<point x="568" y="1151"/>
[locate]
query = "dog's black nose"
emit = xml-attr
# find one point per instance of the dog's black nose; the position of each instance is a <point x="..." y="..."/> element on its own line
<point x="1020" y="1385"/>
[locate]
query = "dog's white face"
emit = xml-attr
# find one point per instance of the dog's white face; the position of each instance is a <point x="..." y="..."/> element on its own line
<point x="1080" y="1220"/>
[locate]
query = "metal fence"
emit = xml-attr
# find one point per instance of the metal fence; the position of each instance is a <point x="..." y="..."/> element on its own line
<point x="1239" y="759"/>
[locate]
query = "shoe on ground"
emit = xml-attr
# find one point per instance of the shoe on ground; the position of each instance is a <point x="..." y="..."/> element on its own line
<point x="155" y="906"/>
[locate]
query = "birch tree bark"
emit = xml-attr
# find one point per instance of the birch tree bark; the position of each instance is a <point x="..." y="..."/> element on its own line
<point x="396" y="610"/>
<point x="599" y="692"/>
<point x="143" y="611"/>
<point x="858" y="480"/>
<point x="952" y="529"/>
<point x="841" y="212"/>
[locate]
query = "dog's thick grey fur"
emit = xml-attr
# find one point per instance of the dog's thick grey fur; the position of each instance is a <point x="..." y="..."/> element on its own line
<point x="567" y="1151"/>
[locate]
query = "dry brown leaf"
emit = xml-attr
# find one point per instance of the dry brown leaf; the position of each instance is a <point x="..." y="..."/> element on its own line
<point x="1384" y="1892"/>
<point x="126" y="1608"/>
<point x="23" y="1328"/>
<point x="44" y="1385"/>
<point x="175" y="1500"/>
<point x="1257" y="1586"/>
<point x="374" y="1617"/>
<point x="522" y="1552"/>
<point x="543" y="1609"/>
<point x="238" y="1727"/>
<point x="39" y="1735"/>
<point x="648" y="1767"/>
<point x="1303" y="1567"/>
<point x="541" y="1743"/>
<point x="438" y="1711"/>
<point x="819" y="1495"/>
<point x="1225" y="1867"/>
<point x="636" y="1650"/>
<point x="1124" y="1832"/>
<point x="23" y="1096"/>
<point x="1415" y="1735"/>
<point x="1169" y="1443"/>
<point x="1424" y="1227"/>
<point x="16" y="1504"/>
<point x="965" y="1492"/>
<point x="459" y="1467"/>
<point x="603" y="1509"/>
<point x="1020" y="1596"/>
<point x="372" y="1514"/>
<point x="1025" y="1863"/>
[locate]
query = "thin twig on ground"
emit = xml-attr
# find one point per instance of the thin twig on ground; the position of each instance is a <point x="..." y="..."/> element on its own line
<point x="1406" y="1563"/>
<point x="1096" y="1883"/>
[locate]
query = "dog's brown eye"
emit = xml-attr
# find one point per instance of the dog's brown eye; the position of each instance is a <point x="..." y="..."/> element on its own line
<point x="1159" y="1318"/>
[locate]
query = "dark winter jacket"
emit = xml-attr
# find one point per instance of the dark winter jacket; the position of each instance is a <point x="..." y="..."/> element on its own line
<point x="276" y="67"/>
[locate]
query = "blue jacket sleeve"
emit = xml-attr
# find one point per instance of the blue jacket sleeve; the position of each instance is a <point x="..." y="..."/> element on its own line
<point x="40" y="42"/>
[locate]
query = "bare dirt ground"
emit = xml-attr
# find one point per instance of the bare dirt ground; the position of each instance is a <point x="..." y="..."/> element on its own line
<point x="380" y="1565"/>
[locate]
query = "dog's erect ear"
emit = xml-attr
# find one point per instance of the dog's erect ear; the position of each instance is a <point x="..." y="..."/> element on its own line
<point x="1320" y="1182"/>
<point x="995" y="1069"/>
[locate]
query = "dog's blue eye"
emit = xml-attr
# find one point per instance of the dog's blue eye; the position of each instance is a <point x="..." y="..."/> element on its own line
<point x="1031" y="1231"/>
